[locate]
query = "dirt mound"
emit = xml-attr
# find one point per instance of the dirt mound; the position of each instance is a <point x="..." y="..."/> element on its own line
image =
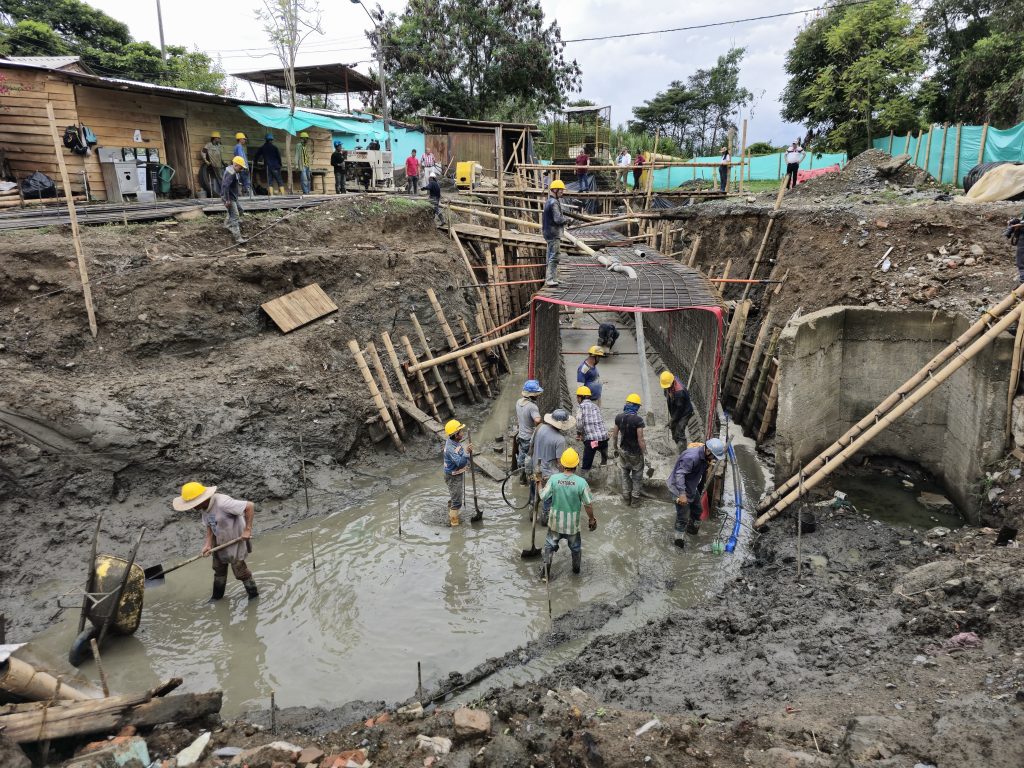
<point x="865" y="173"/>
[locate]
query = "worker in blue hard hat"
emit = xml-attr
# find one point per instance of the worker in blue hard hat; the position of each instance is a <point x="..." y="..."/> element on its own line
<point x="271" y="163"/>
<point x="686" y="484"/>
<point x="528" y="416"/>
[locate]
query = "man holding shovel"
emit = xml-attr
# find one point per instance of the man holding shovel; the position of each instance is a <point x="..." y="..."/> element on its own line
<point x="224" y="519"/>
<point x="457" y="458"/>
<point x="569" y="495"/>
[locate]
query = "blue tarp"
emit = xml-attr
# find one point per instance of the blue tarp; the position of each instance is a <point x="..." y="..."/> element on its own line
<point x="281" y="119"/>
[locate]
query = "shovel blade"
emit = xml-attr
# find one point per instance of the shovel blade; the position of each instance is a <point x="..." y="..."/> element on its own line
<point x="529" y="554"/>
<point x="154" y="575"/>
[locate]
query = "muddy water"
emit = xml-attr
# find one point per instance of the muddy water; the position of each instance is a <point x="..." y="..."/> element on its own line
<point x="378" y="602"/>
<point x="890" y="499"/>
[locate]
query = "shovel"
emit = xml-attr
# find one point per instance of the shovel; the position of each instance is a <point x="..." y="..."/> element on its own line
<point x="155" y="573"/>
<point x="532" y="552"/>
<point x="478" y="515"/>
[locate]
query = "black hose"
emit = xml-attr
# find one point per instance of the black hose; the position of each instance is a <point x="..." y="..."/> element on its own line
<point x="505" y="495"/>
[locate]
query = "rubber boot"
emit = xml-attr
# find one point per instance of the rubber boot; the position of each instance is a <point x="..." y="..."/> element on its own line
<point x="577" y="559"/>
<point x="693" y="527"/>
<point x="545" y="572"/>
<point x="453" y="517"/>
<point x="220" y="583"/>
<point x="680" y="541"/>
<point x="636" y="502"/>
<point x="250" y="588"/>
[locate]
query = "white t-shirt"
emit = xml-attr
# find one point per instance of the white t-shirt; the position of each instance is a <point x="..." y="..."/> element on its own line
<point x="625" y="160"/>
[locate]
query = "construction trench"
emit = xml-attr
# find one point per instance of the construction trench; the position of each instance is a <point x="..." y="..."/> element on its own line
<point x="786" y="647"/>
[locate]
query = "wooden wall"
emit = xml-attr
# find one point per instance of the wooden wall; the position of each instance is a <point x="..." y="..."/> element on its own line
<point x="463" y="147"/>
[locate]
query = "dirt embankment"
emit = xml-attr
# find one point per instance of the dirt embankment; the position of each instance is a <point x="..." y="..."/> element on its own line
<point x="188" y="379"/>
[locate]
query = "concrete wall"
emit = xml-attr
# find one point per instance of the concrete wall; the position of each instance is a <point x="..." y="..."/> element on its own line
<point x="839" y="363"/>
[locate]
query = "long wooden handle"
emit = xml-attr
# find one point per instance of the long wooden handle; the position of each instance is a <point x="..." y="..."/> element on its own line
<point x="197" y="557"/>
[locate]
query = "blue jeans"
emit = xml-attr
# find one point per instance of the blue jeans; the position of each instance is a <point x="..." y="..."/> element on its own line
<point x="575" y="542"/>
<point x="274" y="178"/>
<point x="553" y="254"/>
<point x="692" y="510"/>
<point x="305" y="179"/>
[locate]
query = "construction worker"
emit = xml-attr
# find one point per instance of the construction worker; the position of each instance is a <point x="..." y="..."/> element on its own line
<point x="566" y="494"/>
<point x="590" y="429"/>
<point x="303" y="157"/>
<point x="272" y="164"/>
<point x="680" y="407"/>
<point x="686" y="484"/>
<point x="456" y="461"/>
<point x="412" y="173"/>
<point x="587" y="373"/>
<point x="230" y="187"/>
<point x="339" y="160"/>
<point x="213" y="164"/>
<point x="630" y="448"/>
<point x="607" y="335"/>
<point x="553" y="221"/>
<point x="528" y="416"/>
<point x="794" y="156"/>
<point x="224" y="519"/>
<point x="240" y="151"/>
<point x="723" y="169"/>
<point x="548" y="445"/>
<point x="434" y="193"/>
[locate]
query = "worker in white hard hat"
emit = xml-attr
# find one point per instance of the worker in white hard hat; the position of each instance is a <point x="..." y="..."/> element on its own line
<point x="686" y="484"/>
<point x="456" y="462"/>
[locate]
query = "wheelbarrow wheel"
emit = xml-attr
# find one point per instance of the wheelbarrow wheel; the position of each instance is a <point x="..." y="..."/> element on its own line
<point x="80" y="648"/>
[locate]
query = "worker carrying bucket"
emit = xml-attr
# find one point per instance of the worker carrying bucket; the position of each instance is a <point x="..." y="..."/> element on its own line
<point x="224" y="520"/>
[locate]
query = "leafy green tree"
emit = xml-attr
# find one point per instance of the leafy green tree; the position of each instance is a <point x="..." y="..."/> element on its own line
<point x="483" y="59"/>
<point x="32" y="38"/>
<point x="854" y="72"/>
<point x="761" y="148"/>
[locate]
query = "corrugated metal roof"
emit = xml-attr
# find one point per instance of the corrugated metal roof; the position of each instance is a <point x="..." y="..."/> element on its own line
<point x="49" y="62"/>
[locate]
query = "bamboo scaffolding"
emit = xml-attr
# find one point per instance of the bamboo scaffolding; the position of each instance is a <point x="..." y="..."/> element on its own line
<point x="433" y="362"/>
<point x="476" y="358"/>
<point x="468" y="382"/>
<point x="692" y="261"/>
<point x="1011" y="393"/>
<point x="829" y="464"/>
<point x="737" y="326"/>
<point x="763" y="376"/>
<point x="484" y="332"/>
<point x="375" y="394"/>
<point x="413" y="362"/>
<point x="385" y="386"/>
<point x="397" y="366"/>
<point x="767" y="418"/>
<point x="429" y="356"/>
<point x="767" y="234"/>
<point x="749" y="374"/>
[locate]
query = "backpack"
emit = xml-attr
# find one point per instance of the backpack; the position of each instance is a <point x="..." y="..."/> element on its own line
<point x="73" y="141"/>
<point x="89" y="136"/>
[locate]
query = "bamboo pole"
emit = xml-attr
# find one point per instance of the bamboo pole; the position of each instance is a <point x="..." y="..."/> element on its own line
<point x="489" y="215"/>
<point x="385" y="385"/>
<point x="942" y="153"/>
<point x="769" y="409"/>
<point x="476" y="358"/>
<point x="740" y="320"/>
<point x="984" y="138"/>
<point x="378" y="400"/>
<point x="725" y="271"/>
<point x="468" y="382"/>
<point x="752" y="366"/>
<point x="650" y="170"/>
<point x="767" y="234"/>
<point x="763" y="377"/>
<point x="956" y="156"/>
<point x="429" y="356"/>
<point x="389" y="347"/>
<point x="481" y="295"/>
<point x="906" y="146"/>
<point x="743" y="154"/>
<point x="952" y="349"/>
<point x="1011" y="393"/>
<point x="836" y="461"/>
<point x="917" y="146"/>
<point x="83" y="270"/>
<point x="25" y="681"/>
<point x="928" y="148"/>
<point x="433" y="362"/>
<point x="413" y="362"/>
<point x="692" y="261"/>
<point x="891" y="137"/>
<point x="482" y="325"/>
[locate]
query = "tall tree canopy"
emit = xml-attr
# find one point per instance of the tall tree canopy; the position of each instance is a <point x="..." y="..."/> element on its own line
<point x="482" y="59"/>
<point x="975" y="47"/>
<point x="72" y="27"/>
<point x="699" y="114"/>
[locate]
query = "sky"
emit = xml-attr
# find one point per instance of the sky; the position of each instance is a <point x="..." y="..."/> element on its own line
<point x="622" y="73"/>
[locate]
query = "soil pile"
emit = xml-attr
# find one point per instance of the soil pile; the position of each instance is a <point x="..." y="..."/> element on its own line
<point x="869" y="171"/>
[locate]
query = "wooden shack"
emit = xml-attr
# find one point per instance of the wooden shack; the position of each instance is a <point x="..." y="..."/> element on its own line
<point x="454" y="139"/>
<point x="174" y="121"/>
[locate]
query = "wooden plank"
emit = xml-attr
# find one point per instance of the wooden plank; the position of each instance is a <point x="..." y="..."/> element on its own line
<point x="295" y="309"/>
<point x="432" y="425"/>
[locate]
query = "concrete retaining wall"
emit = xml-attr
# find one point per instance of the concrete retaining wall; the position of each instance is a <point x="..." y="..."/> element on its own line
<point x="839" y="363"/>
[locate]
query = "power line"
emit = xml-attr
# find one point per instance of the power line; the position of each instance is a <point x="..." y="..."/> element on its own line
<point x="718" y="23"/>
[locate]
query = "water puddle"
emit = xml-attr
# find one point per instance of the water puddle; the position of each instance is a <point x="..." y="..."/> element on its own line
<point x="895" y="499"/>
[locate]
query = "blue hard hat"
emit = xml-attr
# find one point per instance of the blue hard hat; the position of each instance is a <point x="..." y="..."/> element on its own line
<point x="270" y="137"/>
<point x="337" y="143"/>
<point x="532" y="387"/>
<point x="717" y="448"/>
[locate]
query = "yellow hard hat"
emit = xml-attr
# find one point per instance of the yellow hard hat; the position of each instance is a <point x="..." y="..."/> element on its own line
<point x="192" y="495"/>
<point x="193" y="490"/>
<point x="666" y="379"/>
<point x="239" y="161"/>
<point x="303" y="135"/>
<point x="570" y="459"/>
<point x="239" y="135"/>
<point x="557" y="184"/>
<point x="583" y="391"/>
<point x="596" y="351"/>
<point x="453" y="426"/>
<point x="214" y="134"/>
<point x="634" y="398"/>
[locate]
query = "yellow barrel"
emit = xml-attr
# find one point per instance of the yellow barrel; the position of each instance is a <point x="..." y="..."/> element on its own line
<point x="108" y="574"/>
<point x="464" y="174"/>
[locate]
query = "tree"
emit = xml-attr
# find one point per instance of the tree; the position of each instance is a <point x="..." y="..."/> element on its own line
<point x="288" y="23"/>
<point x="483" y="59"/>
<point x="761" y="148"/>
<point x="854" y="71"/>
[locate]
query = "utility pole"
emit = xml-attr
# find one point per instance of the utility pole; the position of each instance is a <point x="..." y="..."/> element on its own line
<point x="379" y="50"/>
<point x="160" y="23"/>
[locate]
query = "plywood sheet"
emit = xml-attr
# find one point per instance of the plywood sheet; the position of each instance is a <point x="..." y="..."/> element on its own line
<point x="295" y="309"/>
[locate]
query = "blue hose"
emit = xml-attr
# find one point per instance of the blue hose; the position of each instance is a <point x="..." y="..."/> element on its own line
<point x="730" y="545"/>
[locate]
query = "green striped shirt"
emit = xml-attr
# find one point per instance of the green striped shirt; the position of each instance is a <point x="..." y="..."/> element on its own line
<point x="569" y="494"/>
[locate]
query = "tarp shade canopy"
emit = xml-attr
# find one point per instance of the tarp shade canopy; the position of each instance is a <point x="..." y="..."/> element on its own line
<point x="280" y="118"/>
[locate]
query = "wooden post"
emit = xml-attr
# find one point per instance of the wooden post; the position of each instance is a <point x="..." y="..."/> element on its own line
<point x="773" y="401"/>
<point x="928" y="148"/>
<point x="984" y="138"/>
<point x="763" y="376"/>
<point x="413" y="362"/>
<point x="891" y="137"/>
<point x="956" y="156"/>
<point x="743" y="153"/>
<point x="83" y="271"/>
<point x="469" y="384"/>
<point x="692" y="261"/>
<point x="378" y="400"/>
<point x="429" y="356"/>
<point x="476" y="358"/>
<point x="641" y="348"/>
<point x="389" y="393"/>
<point x="942" y="153"/>
<point x="740" y="322"/>
<point x="767" y="233"/>
<point x="481" y="324"/>
<point x="1014" y="380"/>
<point x="917" y="146"/>
<point x="906" y="146"/>
<point x="389" y="347"/>
<point x="780" y="164"/>
<point x="650" y="169"/>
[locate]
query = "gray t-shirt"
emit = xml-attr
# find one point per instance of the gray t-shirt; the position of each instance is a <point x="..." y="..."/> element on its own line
<point x="528" y="414"/>
<point x="225" y="517"/>
<point x="548" y="446"/>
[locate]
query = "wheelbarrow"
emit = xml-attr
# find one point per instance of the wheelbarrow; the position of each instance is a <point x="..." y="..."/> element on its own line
<point x="112" y="601"/>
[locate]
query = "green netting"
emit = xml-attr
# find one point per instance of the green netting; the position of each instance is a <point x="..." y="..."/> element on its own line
<point x="999" y="145"/>
<point x="761" y="168"/>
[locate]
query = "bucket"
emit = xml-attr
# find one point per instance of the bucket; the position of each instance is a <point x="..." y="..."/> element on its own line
<point x="164" y="175"/>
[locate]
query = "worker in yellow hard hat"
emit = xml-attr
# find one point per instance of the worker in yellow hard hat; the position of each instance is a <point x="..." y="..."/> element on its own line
<point x="303" y="158"/>
<point x="569" y="495"/>
<point x="590" y="429"/>
<point x="587" y="373"/>
<point x="224" y="520"/>
<point x="680" y="407"/>
<point x="630" y="448"/>
<point x="240" y="151"/>
<point x="213" y="165"/>
<point x="456" y="462"/>
<point x="231" y="186"/>
<point x="553" y="221"/>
